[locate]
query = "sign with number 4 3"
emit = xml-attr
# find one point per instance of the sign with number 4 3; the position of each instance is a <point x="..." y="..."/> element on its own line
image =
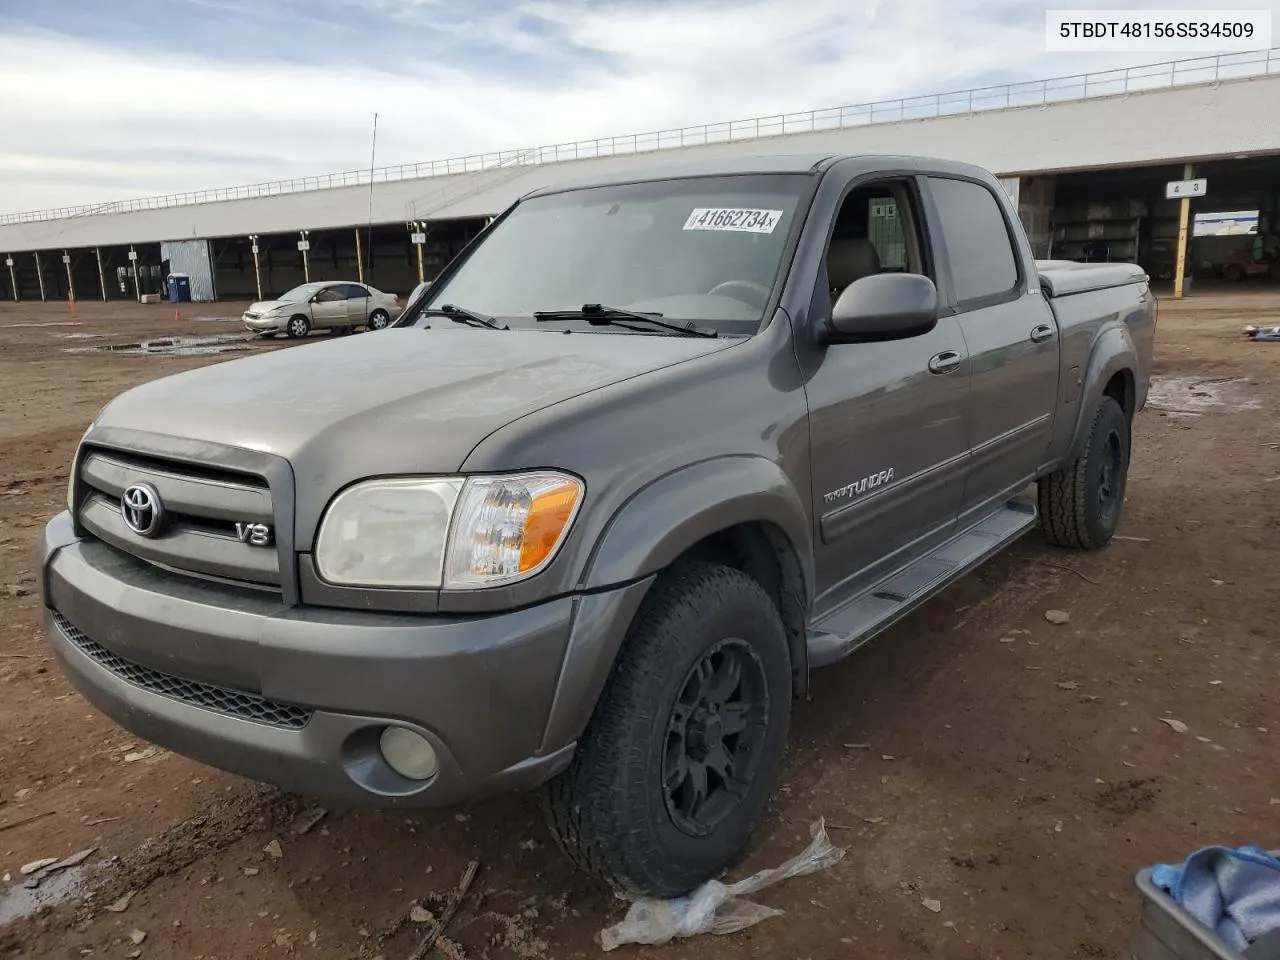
<point x="1177" y="189"/>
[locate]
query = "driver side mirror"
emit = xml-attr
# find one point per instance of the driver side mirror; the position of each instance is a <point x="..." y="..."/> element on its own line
<point x="884" y="306"/>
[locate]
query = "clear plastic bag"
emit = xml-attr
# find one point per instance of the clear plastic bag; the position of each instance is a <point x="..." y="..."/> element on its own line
<point x="715" y="907"/>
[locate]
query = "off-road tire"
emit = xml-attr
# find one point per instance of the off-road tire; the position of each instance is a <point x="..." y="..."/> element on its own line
<point x="609" y="810"/>
<point x="1072" y="512"/>
<point x="297" y="327"/>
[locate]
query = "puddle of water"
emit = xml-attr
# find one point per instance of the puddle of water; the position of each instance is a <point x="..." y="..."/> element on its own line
<point x="174" y="346"/>
<point x="18" y="901"/>
<point x="42" y="323"/>
<point x="1190" y="396"/>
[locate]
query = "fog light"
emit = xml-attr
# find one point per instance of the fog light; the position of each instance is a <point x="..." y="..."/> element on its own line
<point x="408" y="753"/>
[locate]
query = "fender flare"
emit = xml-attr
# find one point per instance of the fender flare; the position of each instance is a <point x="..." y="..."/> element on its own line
<point x="672" y="513"/>
<point x="1113" y="352"/>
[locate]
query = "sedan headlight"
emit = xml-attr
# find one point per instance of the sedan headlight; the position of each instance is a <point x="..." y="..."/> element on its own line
<point x="451" y="532"/>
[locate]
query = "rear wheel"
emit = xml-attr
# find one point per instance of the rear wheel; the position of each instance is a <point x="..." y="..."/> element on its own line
<point x="378" y="320"/>
<point x="298" y="326"/>
<point x="1081" y="504"/>
<point x="678" y="762"/>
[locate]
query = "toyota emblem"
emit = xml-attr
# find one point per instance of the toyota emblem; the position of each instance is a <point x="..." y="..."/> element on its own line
<point x="142" y="510"/>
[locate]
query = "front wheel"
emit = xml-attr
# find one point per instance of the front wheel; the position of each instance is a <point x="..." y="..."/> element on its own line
<point x="679" y="759"/>
<point x="298" y="326"/>
<point x="1080" y="505"/>
<point x="378" y="320"/>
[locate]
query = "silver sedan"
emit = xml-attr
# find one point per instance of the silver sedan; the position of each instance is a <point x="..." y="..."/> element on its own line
<point x="335" y="305"/>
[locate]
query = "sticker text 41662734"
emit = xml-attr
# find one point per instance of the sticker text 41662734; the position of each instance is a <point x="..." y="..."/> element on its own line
<point x="734" y="218"/>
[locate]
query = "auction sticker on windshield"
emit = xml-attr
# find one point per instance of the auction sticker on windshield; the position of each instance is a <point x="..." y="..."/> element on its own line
<point x="734" y="218"/>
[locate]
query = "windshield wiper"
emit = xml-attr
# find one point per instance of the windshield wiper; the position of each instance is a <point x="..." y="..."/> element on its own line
<point x="598" y="313"/>
<point x="462" y="315"/>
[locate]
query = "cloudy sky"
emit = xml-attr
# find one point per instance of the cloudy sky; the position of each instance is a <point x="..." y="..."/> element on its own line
<point x="104" y="102"/>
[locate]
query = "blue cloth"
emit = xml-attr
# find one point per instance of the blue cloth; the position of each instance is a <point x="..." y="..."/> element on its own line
<point x="1233" y="892"/>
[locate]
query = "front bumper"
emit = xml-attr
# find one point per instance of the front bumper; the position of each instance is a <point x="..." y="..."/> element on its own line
<point x="263" y="324"/>
<point x="298" y="696"/>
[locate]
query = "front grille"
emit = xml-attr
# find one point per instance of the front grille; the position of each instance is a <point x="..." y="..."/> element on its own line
<point x="234" y="703"/>
<point x="202" y="507"/>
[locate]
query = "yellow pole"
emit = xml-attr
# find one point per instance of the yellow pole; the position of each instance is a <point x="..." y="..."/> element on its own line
<point x="257" y="271"/>
<point x="1184" y="217"/>
<point x="421" y="276"/>
<point x="102" y="279"/>
<point x="359" y="258"/>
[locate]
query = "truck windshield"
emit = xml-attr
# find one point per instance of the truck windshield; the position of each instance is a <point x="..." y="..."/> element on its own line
<point x="705" y="249"/>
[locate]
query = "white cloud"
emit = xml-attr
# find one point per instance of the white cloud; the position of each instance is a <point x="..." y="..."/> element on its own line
<point x="85" y="122"/>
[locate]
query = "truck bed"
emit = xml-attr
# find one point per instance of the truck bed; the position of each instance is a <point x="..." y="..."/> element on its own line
<point x="1062" y="278"/>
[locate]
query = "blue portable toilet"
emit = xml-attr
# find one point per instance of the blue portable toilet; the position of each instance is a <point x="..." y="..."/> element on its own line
<point x="179" y="288"/>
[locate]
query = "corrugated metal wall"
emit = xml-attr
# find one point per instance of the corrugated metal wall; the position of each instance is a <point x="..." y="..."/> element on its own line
<point x="192" y="258"/>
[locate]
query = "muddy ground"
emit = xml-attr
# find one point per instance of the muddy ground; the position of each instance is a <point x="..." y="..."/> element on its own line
<point x="1014" y="771"/>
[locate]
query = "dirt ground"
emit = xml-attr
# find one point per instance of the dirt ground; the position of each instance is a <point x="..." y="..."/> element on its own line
<point x="1015" y="771"/>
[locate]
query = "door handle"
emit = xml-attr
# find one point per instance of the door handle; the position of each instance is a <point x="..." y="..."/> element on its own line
<point x="1042" y="333"/>
<point x="944" y="362"/>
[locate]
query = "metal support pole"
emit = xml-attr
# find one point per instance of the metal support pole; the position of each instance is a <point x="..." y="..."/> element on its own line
<point x="40" y="277"/>
<point x="13" y="278"/>
<point x="421" y="272"/>
<point x="305" y="246"/>
<point x="1184" y="216"/>
<point x="102" y="277"/>
<point x="359" y="258"/>
<point x="71" y="284"/>
<point x="137" y="287"/>
<point x="257" y="271"/>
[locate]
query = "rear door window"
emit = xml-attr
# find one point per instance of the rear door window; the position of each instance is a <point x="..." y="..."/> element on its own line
<point x="984" y="267"/>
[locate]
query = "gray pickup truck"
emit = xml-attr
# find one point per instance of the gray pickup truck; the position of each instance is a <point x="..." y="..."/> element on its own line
<point x="584" y="519"/>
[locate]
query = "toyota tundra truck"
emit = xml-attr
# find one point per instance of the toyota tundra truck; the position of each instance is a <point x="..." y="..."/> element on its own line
<point x="584" y="519"/>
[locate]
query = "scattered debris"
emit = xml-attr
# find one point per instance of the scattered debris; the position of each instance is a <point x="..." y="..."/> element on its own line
<point x="1215" y="683"/>
<point x="715" y="907"/>
<point x="308" y="819"/>
<point x="273" y="850"/>
<point x="1068" y="685"/>
<point x="1132" y="539"/>
<point x="1063" y="566"/>
<point x="29" y="868"/>
<point x="251" y="871"/>
<point x="1008" y="639"/>
<point x="23" y="822"/>
<point x="146" y="754"/>
<point x="885" y="756"/>
<point x="420" y="914"/>
<point x="872" y="820"/>
<point x="1057" y="617"/>
<point x="1204" y="739"/>
<point x="17" y="590"/>
<point x="99" y="822"/>
<point x="1177" y="726"/>
<point x="935" y="906"/>
<point x="39" y="875"/>
<point x="857" y="746"/>
<point x="121" y="905"/>
<point x="137" y="936"/>
<point x="429" y="941"/>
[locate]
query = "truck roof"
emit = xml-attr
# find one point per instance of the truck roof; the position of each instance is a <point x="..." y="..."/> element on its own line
<point x="653" y="169"/>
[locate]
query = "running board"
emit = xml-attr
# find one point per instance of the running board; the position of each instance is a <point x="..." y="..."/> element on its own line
<point x="847" y="627"/>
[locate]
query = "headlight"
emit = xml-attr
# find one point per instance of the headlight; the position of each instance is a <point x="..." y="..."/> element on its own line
<point x="451" y="532"/>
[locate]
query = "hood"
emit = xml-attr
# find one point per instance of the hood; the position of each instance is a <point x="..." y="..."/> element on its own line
<point x="265" y="306"/>
<point x="397" y="401"/>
